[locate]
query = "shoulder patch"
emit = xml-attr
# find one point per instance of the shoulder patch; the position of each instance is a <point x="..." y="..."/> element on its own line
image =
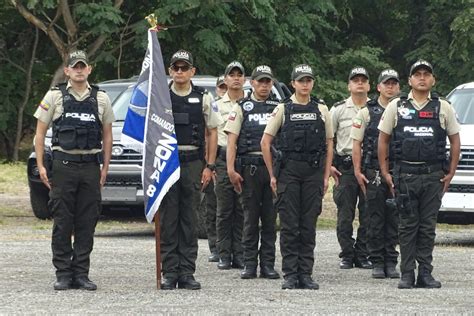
<point x="44" y="105"/>
<point x="214" y="106"/>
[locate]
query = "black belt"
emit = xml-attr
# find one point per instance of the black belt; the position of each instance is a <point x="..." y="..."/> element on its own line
<point x="256" y="160"/>
<point x="222" y="152"/>
<point x="59" y="155"/>
<point x="420" y="169"/>
<point x="189" y="155"/>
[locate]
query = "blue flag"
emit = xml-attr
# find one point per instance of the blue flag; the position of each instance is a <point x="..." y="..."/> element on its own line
<point x="149" y="128"/>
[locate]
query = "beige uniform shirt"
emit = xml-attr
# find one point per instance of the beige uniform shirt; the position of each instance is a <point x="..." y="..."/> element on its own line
<point x="447" y="116"/>
<point x="225" y="106"/>
<point x="278" y="118"/>
<point x="360" y="123"/>
<point x="212" y="118"/>
<point x="236" y="118"/>
<point x="342" y="117"/>
<point x="51" y="108"/>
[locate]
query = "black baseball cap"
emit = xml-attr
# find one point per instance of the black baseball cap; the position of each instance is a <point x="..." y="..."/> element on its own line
<point x="301" y="71"/>
<point x="358" y="71"/>
<point x="420" y="63"/>
<point x="77" y="56"/>
<point x="232" y="65"/>
<point x="388" y="74"/>
<point x="182" y="55"/>
<point x="220" y="81"/>
<point x="262" y="71"/>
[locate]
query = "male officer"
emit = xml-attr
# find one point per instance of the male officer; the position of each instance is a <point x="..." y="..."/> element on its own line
<point x="211" y="200"/>
<point x="302" y="171"/>
<point x="195" y="113"/>
<point x="81" y="117"/>
<point x="229" y="210"/>
<point x="418" y="124"/>
<point x="244" y="130"/>
<point x="346" y="189"/>
<point x="383" y="221"/>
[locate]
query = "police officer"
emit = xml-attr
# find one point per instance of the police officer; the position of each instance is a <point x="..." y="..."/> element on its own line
<point x="418" y="124"/>
<point x="229" y="210"/>
<point x="211" y="200"/>
<point x="81" y="117"/>
<point x="383" y="221"/>
<point x="347" y="193"/>
<point x="244" y="130"/>
<point x="300" y="175"/>
<point x="194" y="112"/>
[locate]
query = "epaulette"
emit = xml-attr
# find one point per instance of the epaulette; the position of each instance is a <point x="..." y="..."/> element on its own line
<point x="198" y="89"/>
<point x="94" y="86"/>
<point x="444" y="99"/>
<point x="339" y="103"/>
<point x="58" y="86"/>
<point x="317" y="101"/>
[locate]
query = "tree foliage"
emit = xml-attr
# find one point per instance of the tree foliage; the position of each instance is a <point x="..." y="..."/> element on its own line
<point x="332" y="36"/>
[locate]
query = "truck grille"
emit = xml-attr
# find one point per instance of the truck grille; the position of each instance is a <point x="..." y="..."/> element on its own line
<point x="124" y="180"/>
<point x="129" y="157"/>
<point x="460" y="188"/>
<point x="467" y="159"/>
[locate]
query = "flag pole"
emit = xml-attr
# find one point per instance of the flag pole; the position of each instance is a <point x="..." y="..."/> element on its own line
<point x="158" y="250"/>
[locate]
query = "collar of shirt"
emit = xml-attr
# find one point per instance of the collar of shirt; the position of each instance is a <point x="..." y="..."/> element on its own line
<point x="293" y="98"/>
<point x="350" y="103"/>
<point x="420" y="105"/>
<point x="180" y="93"/>
<point x="69" y="85"/>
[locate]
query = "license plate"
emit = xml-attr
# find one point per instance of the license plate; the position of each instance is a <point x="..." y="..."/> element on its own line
<point x="117" y="194"/>
<point x="458" y="202"/>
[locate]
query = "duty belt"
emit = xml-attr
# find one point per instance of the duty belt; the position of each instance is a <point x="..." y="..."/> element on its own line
<point x="189" y="155"/>
<point x="59" y="155"/>
<point x="256" y="160"/>
<point x="221" y="152"/>
<point x="420" y="169"/>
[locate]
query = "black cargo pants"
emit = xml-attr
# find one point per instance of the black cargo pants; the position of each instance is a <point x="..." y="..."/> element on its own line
<point x="257" y="204"/>
<point x="229" y="218"/>
<point x="383" y="222"/>
<point x="418" y="217"/>
<point x="299" y="203"/>
<point x="178" y="222"/>
<point x="346" y="196"/>
<point x="75" y="203"/>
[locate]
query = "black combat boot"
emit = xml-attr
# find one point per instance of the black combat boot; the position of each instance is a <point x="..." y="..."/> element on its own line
<point x="249" y="272"/>
<point x="378" y="273"/>
<point x="391" y="272"/>
<point x="214" y="257"/>
<point x="237" y="263"/>
<point x="63" y="283"/>
<point x="426" y="280"/>
<point x="306" y="282"/>
<point x="346" y="263"/>
<point x="224" y="264"/>
<point x="363" y="263"/>
<point x="268" y="272"/>
<point x="168" y="283"/>
<point x="188" y="282"/>
<point x="84" y="283"/>
<point x="290" y="283"/>
<point x="407" y="281"/>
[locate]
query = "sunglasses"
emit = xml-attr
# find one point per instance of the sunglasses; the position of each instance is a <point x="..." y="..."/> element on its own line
<point x="183" y="68"/>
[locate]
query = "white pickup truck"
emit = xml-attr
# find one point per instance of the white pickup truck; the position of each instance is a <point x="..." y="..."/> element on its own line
<point x="458" y="203"/>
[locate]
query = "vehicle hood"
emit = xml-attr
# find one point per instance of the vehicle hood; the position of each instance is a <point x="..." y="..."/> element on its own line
<point x="117" y="131"/>
<point x="467" y="130"/>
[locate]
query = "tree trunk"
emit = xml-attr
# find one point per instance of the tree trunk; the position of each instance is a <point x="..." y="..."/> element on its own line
<point x="26" y="97"/>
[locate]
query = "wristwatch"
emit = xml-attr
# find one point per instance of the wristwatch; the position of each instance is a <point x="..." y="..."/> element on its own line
<point x="211" y="166"/>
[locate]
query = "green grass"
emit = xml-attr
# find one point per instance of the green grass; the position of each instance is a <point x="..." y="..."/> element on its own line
<point x="13" y="178"/>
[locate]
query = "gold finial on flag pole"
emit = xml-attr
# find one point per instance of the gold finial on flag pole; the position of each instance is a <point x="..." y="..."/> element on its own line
<point x="153" y="21"/>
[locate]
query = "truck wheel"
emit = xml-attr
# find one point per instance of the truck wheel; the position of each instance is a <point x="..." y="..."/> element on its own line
<point x="39" y="198"/>
<point x="201" y="217"/>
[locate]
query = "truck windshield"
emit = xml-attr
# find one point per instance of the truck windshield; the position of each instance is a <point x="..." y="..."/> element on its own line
<point x="463" y="103"/>
<point x="120" y="105"/>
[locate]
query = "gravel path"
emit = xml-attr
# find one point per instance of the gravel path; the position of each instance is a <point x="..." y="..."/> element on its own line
<point x="123" y="266"/>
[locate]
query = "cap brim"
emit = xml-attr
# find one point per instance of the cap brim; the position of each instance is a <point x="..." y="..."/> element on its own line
<point x="183" y="60"/>
<point x="263" y="76"/>
<point x="419" y="67"/>
<point x="355" y="75"/>
<point x="79" y="60"/>
<point x="385" y="79"/>
<point x="220" y="84"/>
<point x="239" y="68"/>
<point x="299" y="77"/>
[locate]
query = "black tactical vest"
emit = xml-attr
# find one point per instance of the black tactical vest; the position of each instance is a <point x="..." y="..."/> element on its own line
<point x="188" y="117"/>
<point x="303" y="135"/>
<point x="418" y="136"/>
<point x="255" y="117"/>
<point x="79" y="126"/>
<point x="371" y="136"/>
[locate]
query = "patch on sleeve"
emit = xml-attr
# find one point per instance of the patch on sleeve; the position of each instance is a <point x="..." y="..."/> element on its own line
<point x="275" y="111"/>
<point x="232" y="116"/>
<point x="44" y="105"/>
<point x="357" y="123"/>
<point x="214" y="106"/>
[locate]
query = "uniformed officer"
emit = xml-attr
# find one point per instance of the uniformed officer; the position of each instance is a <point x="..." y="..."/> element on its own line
<point x="229" y="210"/>
<point x="194" y="112"/>
<point x="81" y="117"/>
<point x="211" y="200"/>
<point x="300" y="175"/>
<point x="347" y="193"/>
<point x="417" y="124"/>
<point x="383" y="221"/>
<point x="247" y="173"/>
